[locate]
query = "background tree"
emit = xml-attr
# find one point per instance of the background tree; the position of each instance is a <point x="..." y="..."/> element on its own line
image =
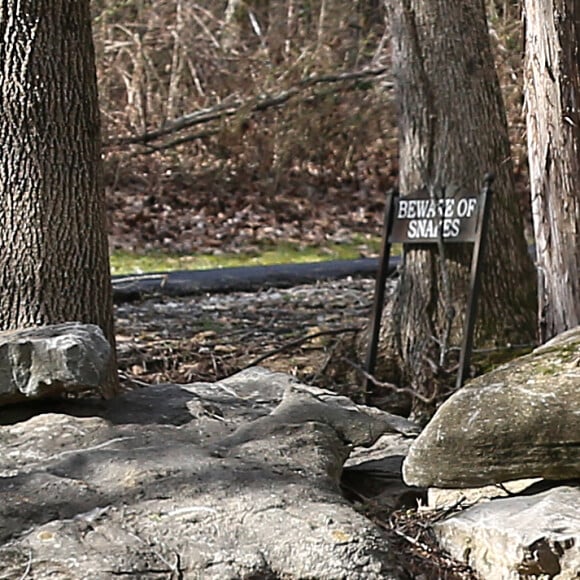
<point x="552" y="87"/>
<point x="53" y="246"/>
<point x="452" y="130"/>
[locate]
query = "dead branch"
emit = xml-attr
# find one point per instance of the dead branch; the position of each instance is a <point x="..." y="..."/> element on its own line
<point x="150" y="148"/>
<point x="298" y="342"/>
<point x="180" y="141"/>
<point x="390" y="386"/>
<point x="233" y="107"/>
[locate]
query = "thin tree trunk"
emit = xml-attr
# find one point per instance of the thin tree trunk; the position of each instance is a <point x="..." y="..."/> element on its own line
<point x="53" y="247"/>
<point x="452" y="131"/>
<point x="553" y="121"/>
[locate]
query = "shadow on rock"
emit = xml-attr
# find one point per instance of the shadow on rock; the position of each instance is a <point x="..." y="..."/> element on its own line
<point x="237" y="479"/>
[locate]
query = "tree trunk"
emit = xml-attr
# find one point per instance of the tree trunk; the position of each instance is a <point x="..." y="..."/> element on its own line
<point x="53" y="247"/>
<point x="552" y="85"/>
<point x="452" y="131"/>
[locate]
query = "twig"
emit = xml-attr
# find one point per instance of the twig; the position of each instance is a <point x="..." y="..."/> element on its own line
<point x="424" y="541"/>
<point x="445" y="280"/>
<point x="389" y="386"/>
<point x="28" y="565"/>
<point x="298" y="342"/>
<point x="360" y="497"/>
<point x="191" y="510"/>
<point x="326" y="362"/>
<point x="413" y="541"/>
<point x="453" y="508"/>
<point x="181" y="141"/>
<point x="505" y="490"/>
<point x="91" y="448"/>
<point x="502" y="348"/>
<point x="126" y="377"/>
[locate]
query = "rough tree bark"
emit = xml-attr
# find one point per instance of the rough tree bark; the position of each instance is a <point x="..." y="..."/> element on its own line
<point x="53" y="247"/>
<point x="452" y="130"/>
<point x="552" y="85"/>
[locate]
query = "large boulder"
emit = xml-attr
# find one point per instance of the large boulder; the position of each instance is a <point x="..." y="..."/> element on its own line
<point x="521" y="420"/>
<point x="536" y="535"/>
<point x="49" y="360"/>
<point x="237" y="479"/>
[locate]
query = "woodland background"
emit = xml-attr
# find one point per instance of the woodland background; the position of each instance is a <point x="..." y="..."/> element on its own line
<point x="234" y="126"/>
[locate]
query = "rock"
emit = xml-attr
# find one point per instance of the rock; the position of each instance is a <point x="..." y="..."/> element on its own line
<point x="355" y="424"/>
<point x="521" y="420"/>
<point x="535" y="536"/>
<point x="372" y="477"/>
<point x="49" y="360"/>
<point x="149" y="494"/>
<point x="438" y="498"/>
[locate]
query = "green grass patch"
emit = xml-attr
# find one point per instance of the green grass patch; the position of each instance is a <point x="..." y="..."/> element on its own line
<point x="126" y="263"/>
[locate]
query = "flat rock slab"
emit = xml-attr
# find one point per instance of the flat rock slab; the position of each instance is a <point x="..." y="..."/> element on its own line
<point x="535" y="536"/>
<point x="225" y="484"/>
<point x="521" y="420"/>
<point x="48" y="360"/>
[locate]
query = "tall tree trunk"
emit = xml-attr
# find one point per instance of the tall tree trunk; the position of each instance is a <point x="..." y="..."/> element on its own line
<point x="452" y="130"/>
<point x="54" y="263"/>
<point x="552" y="85"/>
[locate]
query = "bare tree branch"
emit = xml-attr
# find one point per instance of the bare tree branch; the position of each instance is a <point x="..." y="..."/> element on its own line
<point x="179" y="141"/>
<point x="390" y="386"/>
<point x="299" y="342"/>
<point x="232" y="107"/>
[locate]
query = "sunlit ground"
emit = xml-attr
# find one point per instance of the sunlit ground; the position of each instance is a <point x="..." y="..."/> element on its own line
<point x="136" y="263"/>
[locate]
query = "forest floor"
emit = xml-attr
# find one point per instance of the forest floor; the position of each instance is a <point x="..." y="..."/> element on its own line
<point x="309" y="331"/>
<point x="312" y="331"/>
<point x="205" y="338"/>
<point x="298" y="330"/>
<point x="182" y="213"/>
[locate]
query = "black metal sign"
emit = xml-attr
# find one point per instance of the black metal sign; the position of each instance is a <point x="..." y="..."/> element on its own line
<point x="423" y="219"/>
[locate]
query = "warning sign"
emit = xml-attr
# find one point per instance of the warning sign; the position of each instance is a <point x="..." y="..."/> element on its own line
<point x="422" y="220"/>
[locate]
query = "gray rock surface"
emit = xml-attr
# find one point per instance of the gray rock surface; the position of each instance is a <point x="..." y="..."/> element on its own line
<point x="445" y="499"/>
<point x="530" y="536"/>
<point x="521" y="420"/>
<point x="49" y="360"/>
<point x="175" y="482"/>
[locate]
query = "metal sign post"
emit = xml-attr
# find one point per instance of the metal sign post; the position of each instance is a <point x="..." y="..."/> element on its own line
<point x="475" y="284"/>
<point x="381" y="280"/>
<point x="420" y="219"/>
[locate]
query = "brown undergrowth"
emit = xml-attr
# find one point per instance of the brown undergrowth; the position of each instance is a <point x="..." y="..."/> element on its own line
<point x="226" y="130"/>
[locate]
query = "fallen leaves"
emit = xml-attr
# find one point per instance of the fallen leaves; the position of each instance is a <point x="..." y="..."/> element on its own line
<point x="206" y="338"/>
